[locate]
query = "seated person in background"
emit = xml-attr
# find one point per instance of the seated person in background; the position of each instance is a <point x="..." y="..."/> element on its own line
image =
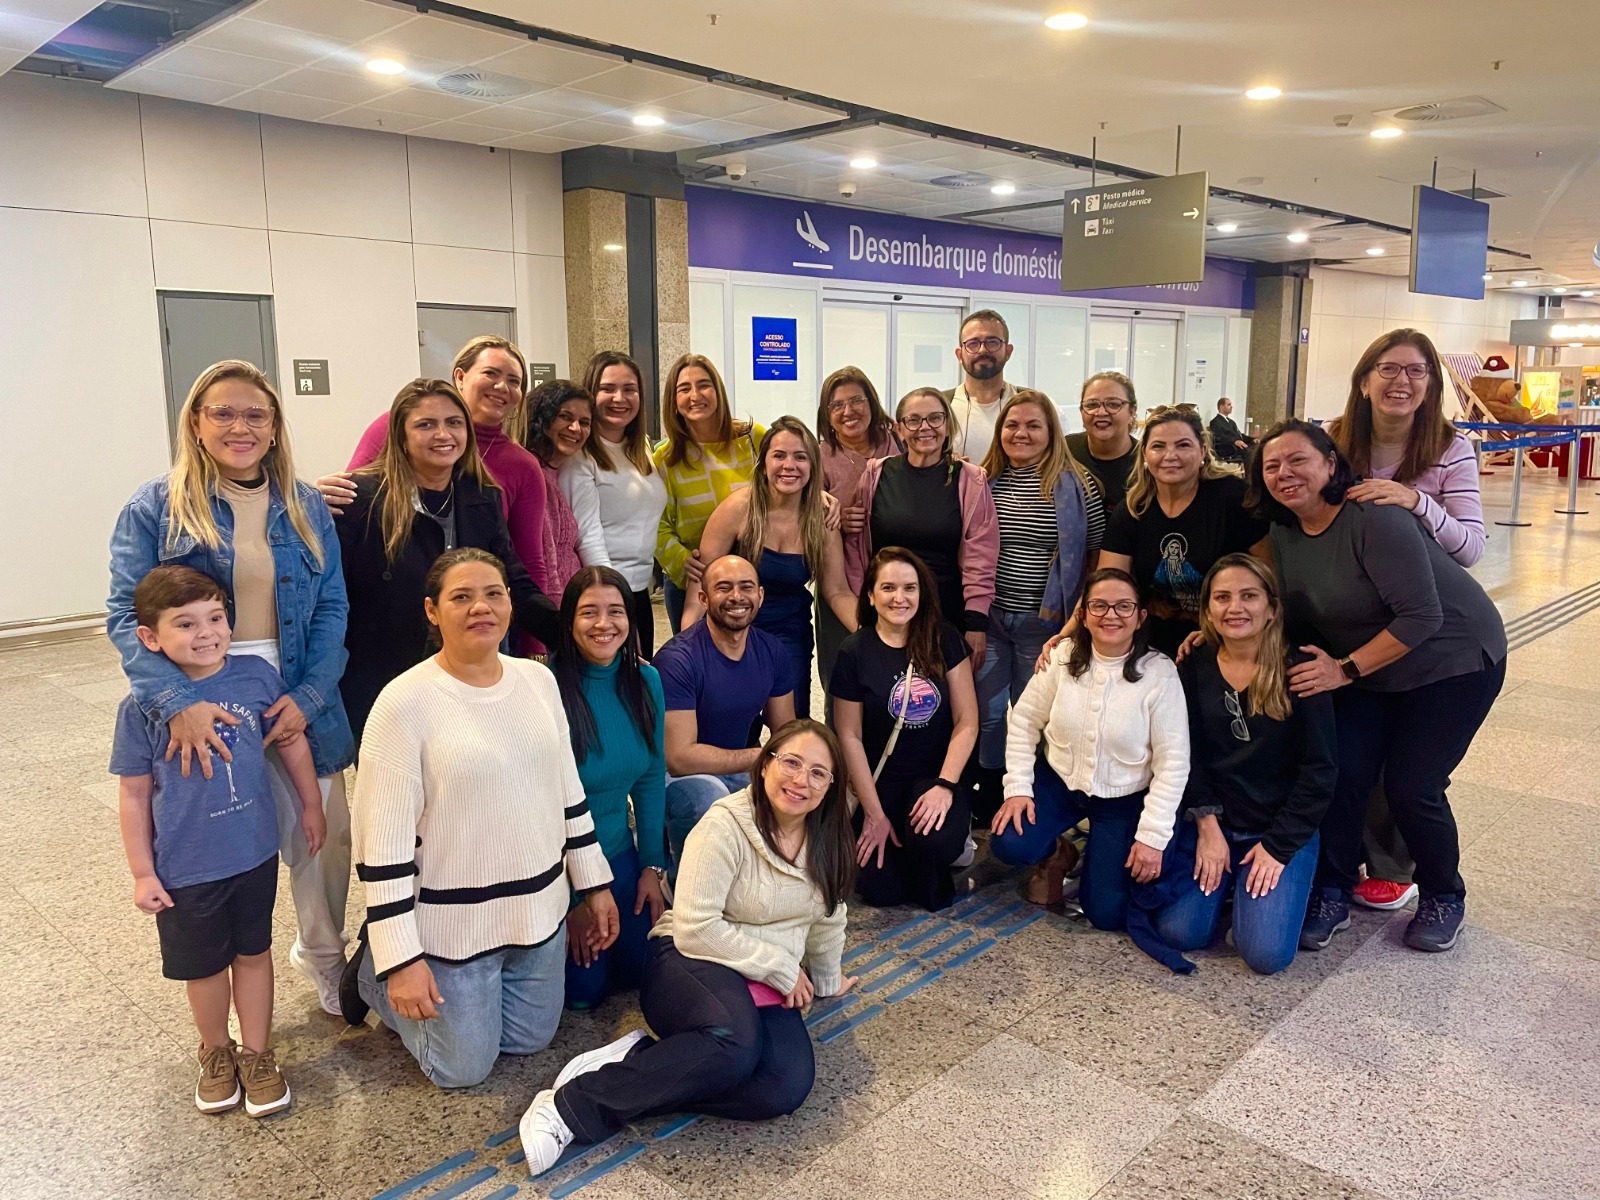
<point x="1228" y="441"/>
<point x="1261" y="773"/>
<point x="1116" y="749"/>
<point x="755" y="933"/>
<point x="203" y="847"/>
<point x="719" y="678"/>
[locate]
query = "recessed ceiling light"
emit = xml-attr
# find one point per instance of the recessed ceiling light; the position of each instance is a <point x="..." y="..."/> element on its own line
<point x="864" y="163"/>
<point x="1004" y="189"/>
<point x="1375" y="251"/>
<point x="613" y="247"/>
<point x="385" y="66"/>
<point x="1228" y="227"/>
<point x="1519" y="283"/>
<point x="1263" y="93"/>
<point x="1387" y="131"/>
<point x="1297" y="238"/>
<point x="648" y="120"/>
<point x="1585" y="295"/>
<point x="1066" y="20"/>
<point x="1558" y="291"/>
<point x="1487" y="277"/>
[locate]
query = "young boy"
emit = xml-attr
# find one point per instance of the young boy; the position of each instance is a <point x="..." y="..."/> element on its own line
<point x="204" y="852"/>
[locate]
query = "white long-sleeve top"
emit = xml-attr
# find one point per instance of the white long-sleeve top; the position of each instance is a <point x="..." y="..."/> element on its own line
<point x="469" y="818"/>
<point x="1105" y="736"/>
<point x="625" y="504"/>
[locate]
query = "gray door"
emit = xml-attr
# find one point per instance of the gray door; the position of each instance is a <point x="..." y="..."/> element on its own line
<point x="442" y="329"/>
<point x="201" y="328"/>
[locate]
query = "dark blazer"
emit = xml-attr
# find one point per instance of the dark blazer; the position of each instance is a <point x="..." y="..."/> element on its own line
<point x="1224" y="433"/>
<point x="388" y="632"/>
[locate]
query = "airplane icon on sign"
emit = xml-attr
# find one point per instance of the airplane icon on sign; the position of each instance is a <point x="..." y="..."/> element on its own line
<point x="808" y="231"/>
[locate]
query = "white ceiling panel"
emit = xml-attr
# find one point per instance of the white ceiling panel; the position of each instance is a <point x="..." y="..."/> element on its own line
<point x="224" y="66"/>
<point x="543" y="63"/>
<point x="566" y="104"/>
<point x="538" y="143"/>
<point x="454" y="42"/>
<point x="430" y="103"/>
<point x="656" y="140"/>
<point x="713" y="100"/>
<point x="25" y="25"/>
<point x="187" y="87"/>
<point x="295" y="47"/>
<point x="344" y="20"/>
<point x="632" y="84"/>
<point x="284" y="104"/>
<point x="385" y="120"/>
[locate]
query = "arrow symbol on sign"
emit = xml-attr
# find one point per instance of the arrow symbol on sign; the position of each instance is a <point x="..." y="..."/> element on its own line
<point x="1192" y="213"/>
<point x="1074" y="204"/>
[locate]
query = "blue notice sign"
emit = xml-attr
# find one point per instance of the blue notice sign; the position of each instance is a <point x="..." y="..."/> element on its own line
<point x="773" y="338"/>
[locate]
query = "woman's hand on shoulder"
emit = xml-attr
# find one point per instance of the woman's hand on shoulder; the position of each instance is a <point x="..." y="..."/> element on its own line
<point x="1386" y="492"/>
<point x="338" y="489"/>
<point x="1189" y="645"/>
<point x="1043" y="662"/>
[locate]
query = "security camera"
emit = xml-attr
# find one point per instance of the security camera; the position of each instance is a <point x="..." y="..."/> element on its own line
<point x="847" y="189"/>
<point x="737" y="171"/>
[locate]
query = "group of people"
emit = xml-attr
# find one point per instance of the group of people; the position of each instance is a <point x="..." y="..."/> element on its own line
<point x="1018" y="631"/>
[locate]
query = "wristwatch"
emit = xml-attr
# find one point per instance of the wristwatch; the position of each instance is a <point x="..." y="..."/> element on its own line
<point x="659" y="872"/>
<point x="1348" y="666"/>
<point x="954" y="787"/>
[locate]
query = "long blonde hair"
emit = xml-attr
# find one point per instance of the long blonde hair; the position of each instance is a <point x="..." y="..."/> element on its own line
<point x="813" y="523"/>
<point x="194" y="476"/>
<point x="1057" y="458"/>
<point x="1269" y="686"/>
<point x="515" y="423"/>
<point x="1142" y="484"/>
<point x="635" y="439"/>
<point x="679" y="439"/>
<point x="397" y="484"/>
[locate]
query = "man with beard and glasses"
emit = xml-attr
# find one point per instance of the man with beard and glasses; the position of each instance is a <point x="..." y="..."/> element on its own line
<point x="983" y="351"/>
<point x="720" y="677"/>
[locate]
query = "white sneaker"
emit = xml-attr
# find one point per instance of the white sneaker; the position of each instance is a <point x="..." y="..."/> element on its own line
<point x="968" y="853"/>
<point x="544" y="1134"/>
<point x="327" y="982"/>
<point x="595" y="1059"/>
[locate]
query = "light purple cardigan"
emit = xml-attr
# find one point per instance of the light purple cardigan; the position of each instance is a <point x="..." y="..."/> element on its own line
<point x="1451" y="507"/>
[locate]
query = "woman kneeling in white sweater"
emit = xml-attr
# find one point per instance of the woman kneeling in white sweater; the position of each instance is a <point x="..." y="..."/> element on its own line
<point x="1116" y="750"/>
<point x="755" y="932"/>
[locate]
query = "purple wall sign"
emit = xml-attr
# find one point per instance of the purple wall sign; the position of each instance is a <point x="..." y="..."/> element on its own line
<point x="737" y="231"/>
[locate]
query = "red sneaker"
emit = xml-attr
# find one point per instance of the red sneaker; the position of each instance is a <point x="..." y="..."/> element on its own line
<point x="1382" y="894"/>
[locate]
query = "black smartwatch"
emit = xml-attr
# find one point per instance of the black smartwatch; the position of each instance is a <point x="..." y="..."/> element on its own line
<point x="954" y="787"/>
<point x="1348" y="666"/>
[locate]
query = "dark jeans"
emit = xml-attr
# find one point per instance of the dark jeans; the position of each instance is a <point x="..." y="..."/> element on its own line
<point x="643" y="616"/>
<point x="918" y="870"/>
<point x="621" y="967"/>
<point x="673" y="597"/>
<point x="1103" y="892"/>
<point x="718" y="1054"/>
<point x="1412" y="740"/>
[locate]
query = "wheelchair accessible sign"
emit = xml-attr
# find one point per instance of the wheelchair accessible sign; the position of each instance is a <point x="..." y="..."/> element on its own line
<point x="773" y="341"/>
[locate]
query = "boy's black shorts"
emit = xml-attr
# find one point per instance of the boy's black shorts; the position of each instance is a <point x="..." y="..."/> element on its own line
<point x="211" y="924"/>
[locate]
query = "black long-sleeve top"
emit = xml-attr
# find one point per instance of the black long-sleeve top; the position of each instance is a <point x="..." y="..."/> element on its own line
<point x="1277" y="784"/>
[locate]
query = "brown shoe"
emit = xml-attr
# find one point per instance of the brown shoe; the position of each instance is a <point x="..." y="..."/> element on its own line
<point x="266" y="1091"/>
<point x="1045" y="884"/>
<point x="218" y="1089"/>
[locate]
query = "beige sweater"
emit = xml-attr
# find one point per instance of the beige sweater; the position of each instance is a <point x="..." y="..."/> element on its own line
<point x="739" y="904"/>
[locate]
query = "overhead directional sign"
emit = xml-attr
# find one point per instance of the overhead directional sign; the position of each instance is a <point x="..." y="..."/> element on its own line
<point x="1135" y="234"/>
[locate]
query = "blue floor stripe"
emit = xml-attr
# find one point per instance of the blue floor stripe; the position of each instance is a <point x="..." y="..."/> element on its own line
<point x="914" y="985"/>
<point x="1020" y="925"/>
<point x="949" y="943"/>
<point x="504" y="1193"/>
<point x="821" y="1012"/>
<point x="585" y="1178"/>
<point x="938" y="928"/>
<point x="868" y="967"/>
<point x="465" y="1184"/>
<point x="995" y="918"/>
<point x="863" y="949"/>
<point x="904" y="927"/>
<point x="970" y="953"/>
<point x="677" y="1126"/>
<point x="844" y="1027"/>
<point x="516" y="1156"/>
<point x="883" y="981"/>
<point x="501" y="1138"/>
<point x="422" y="1178"/>
<point x="973" y="915"/>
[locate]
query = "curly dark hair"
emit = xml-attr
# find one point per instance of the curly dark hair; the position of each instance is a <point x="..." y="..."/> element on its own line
<point x="544" y="402"/>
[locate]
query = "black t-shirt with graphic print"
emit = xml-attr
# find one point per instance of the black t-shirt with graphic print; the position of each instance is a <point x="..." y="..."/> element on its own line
<point x="871" y="674"/>
<point x="1171" y="555"/>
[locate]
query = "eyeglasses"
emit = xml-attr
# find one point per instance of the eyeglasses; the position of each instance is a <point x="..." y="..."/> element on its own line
<point x="991" y="344"/>
<point x="1391" y="370"/>
<point x="854" y="404"/>
<point x="1123" y="608"/>
<point x="932" y="421"/>
<point x="1113" y="407"/>
<point x="223" y="416"/>
<point x="1230" y="701"/>
<point x="795" y="767"/>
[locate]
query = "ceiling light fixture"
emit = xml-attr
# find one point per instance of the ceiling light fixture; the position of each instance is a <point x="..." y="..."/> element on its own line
<point x="1487" y="277"/>
<point x="1263" y="93"/>
<point x="864" y="163"/>
<point x="1387" y="131"/>
<point x="1375" y="251"/>
<point x="1066" y="20"/>
<point x="1558" y="291"/>
<point x="1228" y="227"/>
<point x="648" y="120"/>
<point x="1519" y="283"/>
<point x="613" y="247"/>
<point x="1004" y="189"/>
<point x="1297" y="238"/>
<point x="1585" y="295"/>
<point x="385" y="66"/>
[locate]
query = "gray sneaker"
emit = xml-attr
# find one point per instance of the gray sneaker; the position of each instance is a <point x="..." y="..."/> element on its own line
<point x="1327" y="912"/>
<point x="1437" y="923"/>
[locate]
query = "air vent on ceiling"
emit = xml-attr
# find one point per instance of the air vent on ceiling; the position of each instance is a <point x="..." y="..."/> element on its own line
<point x="1479" y="193"/>
<point x="966" y="179"/>
<point x="1445" y="110"/>
<point x="477" y="84"/>
<point x="1322" y="239"/>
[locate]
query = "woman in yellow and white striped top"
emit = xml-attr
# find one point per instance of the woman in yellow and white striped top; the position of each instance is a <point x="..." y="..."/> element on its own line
<point x="706" y="455"/>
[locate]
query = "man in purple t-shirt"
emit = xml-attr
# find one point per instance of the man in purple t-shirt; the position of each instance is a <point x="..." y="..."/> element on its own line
<point x="719" y="677"/>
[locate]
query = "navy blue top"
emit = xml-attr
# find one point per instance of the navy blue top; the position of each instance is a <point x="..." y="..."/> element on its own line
<point x="786" y="609"/>
<point x="726" y="696"/>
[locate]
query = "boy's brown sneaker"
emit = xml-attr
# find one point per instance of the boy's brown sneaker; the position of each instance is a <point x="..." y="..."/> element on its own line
<point x="266" y="1091"/>
<point x="218" y="1089"/>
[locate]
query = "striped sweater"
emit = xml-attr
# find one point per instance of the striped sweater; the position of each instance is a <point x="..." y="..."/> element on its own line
<point x="469" y="819"/>
<point x="1451" y="506"/>
<point x="704" y="479"/>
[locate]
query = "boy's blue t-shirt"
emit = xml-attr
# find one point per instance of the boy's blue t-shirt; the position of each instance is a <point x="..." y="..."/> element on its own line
<point x="208" y="829"/>
<point x="727" y="696"/>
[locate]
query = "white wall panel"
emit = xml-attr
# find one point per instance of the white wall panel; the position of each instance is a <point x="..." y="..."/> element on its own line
<point x="542" y="309"/>
<point x="203" y="163"/>
<point x="452" y="275"/>
<point x="190" y="257"/>
<point x="69" y="146"/>
<point x="536" y="203"/>
<point x="332" y="180"/>
<point x="460" y="194"/>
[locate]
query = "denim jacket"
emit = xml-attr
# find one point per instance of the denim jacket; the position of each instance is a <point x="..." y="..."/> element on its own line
<point x="1072" y="537"/>
<point x="312" y="610"/>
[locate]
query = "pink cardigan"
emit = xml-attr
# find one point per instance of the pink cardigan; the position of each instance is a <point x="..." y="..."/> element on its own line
<point x="980" y="535"/>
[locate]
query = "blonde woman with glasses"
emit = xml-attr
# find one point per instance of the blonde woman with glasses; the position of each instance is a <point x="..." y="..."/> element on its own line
<point x="231" y="508"/>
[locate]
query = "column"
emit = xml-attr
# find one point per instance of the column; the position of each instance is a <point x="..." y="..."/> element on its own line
<point x="1277" y="358"/>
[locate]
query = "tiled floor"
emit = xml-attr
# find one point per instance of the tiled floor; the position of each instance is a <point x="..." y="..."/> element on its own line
<point x="1060" y="1063"/>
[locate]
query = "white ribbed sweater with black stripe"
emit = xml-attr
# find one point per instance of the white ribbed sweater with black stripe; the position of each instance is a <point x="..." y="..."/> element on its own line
<point x="469" y="818"/>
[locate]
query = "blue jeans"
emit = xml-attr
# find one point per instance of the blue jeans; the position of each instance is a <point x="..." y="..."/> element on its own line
<point x="673" y="597"/>
<point x="1103" y="892"/>
<point x="622" y="966"/>
<point x="1015" y="640"/>
<point x="688" y="798"/>
<point x="508" y="1002"/>
<point x="1266" y="931"/>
